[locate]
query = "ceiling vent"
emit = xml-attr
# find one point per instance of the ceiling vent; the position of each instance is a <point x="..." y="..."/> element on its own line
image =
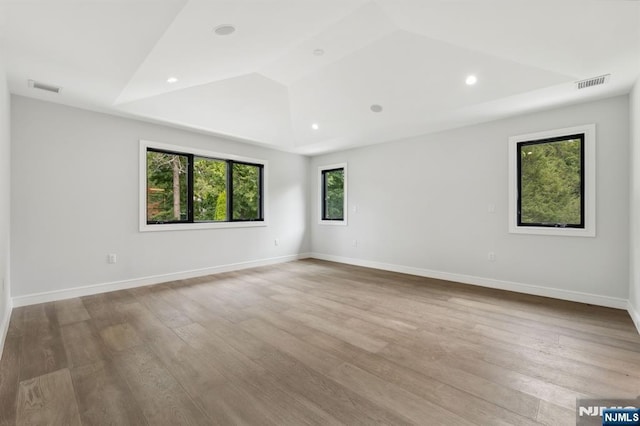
<point x="42" y="86"/>
<point x="594" y="81"/>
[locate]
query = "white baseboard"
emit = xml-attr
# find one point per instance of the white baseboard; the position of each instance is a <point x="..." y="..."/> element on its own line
<point x="50" y="296"/>
<point x="556" y="293"/>
<point x="4" y="324"/>
<point x="635" y="315"/>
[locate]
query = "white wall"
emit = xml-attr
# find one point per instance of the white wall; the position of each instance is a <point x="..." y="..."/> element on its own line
<point x="5" y="199"/>
<point x="75" y="199"/>
<point x="423" y="203"/>
<point x="634" y="285"/>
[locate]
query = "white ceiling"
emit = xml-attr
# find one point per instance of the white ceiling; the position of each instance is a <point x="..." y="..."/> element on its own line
<point x="264" y="83"/>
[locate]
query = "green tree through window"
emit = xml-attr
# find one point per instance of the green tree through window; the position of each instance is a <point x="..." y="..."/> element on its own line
<point x="246" y="196"/>
<point x="166" y="187"/>
<point x="182" y="187"/>
<point x="209" y="187"/>
<point x="550" y="182"/>
<point x="333" y="194"/>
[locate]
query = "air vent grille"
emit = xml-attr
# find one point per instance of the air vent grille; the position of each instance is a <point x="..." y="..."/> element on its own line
<point x="42" y="86"/>
<point x="594" y="81"/>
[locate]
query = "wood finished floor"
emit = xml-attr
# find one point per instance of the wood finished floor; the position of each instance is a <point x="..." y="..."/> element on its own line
<point x="313" y="342"/>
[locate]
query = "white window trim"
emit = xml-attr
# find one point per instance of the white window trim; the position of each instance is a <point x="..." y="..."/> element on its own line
<point x="342" y="222"/>
<point x="145" y="227"/>
<point x="589" y="230"/>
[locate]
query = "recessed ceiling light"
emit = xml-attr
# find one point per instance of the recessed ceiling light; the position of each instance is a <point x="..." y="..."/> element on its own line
<point x="224" y="29"/>
<point x="315" y="126"/>
<point x="172" y="80"/>
<point x="318" y="52"/>
<point x="376" y="108"/>
<point x="471" y="80"/>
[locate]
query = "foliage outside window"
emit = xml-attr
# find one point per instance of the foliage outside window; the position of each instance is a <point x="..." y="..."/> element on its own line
<point x="552" y="182"/>
<point x="333" y="194"/>
<point x="195" y="188"/>
<point x="245" y="203"/>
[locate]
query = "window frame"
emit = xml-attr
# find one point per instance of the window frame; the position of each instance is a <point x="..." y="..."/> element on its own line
<point x="191" y="153"/>
<point x="321" y="195"/>
<point x="588" y="171"/>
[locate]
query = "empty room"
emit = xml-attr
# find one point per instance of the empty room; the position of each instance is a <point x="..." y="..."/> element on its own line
<point x="319" y="212"/>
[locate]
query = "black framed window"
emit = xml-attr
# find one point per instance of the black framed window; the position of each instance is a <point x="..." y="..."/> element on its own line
<point x="187" y="188"/>
<point x="551" y="182"/>
<point x="333" y="194"/>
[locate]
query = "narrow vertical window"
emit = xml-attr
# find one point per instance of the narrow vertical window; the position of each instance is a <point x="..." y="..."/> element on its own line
<point x="209" y="190"/>
<point x="167" y="187"/>
<point x="246" y="201"/>
<point x="333" y="194"/>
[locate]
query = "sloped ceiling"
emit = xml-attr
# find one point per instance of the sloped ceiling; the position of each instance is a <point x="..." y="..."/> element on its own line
<point x="293" y="63"/>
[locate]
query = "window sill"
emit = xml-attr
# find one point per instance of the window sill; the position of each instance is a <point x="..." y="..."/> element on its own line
<point x="563" y="232"/>
<point x="333" y="222"/>
<point x="193" y="226"/>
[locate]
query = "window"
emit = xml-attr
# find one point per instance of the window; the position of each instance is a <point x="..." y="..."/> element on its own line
<point x="333" y="194"/>
<point x="553" y="182"/>
<point x="197" y="189"/>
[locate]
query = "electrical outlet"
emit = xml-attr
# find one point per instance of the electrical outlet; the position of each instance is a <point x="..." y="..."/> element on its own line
<point x="112" y="258"/>
<point x="491" y="256"/>
<point x="491" y="208"/>
<point x="354" y="243"/>
<point x="276" y="242"/>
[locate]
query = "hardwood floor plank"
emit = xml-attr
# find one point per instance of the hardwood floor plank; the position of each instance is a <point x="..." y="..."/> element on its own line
<point x="321" y="341"/>
<point x="48" y="400"/>
<point x="9" y="379"/>
<point x="194" y="311"/>
<point x="147" y="326"/>
<point x="16" y="323"/>
<point x="233" y="361"/>
<point x="70" y="311"/>
<point x="355" y="338"/>
<point x="231" y="398"/>
<point x="230" y="405"/>
<point x="106" y="309"/>
<point x="152" y="297"/>
<point x="623" y="333"/>
<point x="525" y="354"/>
<point x="345" y="405"/>
<point x="205" y="295"/>
<point x="204" y="377"/>
<point x="120" y="337"/>
<point x="42" y="348"/>
<point x="83" y="344"/>
<point x="304" y="352"/>
<point x="559" y="366"/>
<point x="103" y="396"/>
<point x="516" y="381"/>
<point x="553" y="415"/>
<point x="284" y="406"/>
<point x="352" y="312"/>
<point x="161" y="398"/>
<point x="630" y="357"/>
<point x="393" y="397"/>
<point x="474" y="409"/>
<point x="474" y="384"/>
